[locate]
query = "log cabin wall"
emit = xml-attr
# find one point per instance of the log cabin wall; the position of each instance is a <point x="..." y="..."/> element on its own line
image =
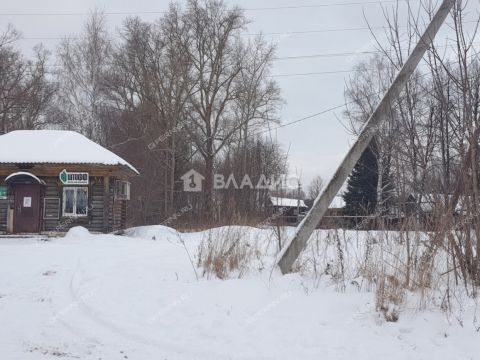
<point x="118" y="211"/>
<point x="3" y="215"/>
<point x="53" y="220"/>
<point x="105" y="212"/>
<point x="4" y="206"/>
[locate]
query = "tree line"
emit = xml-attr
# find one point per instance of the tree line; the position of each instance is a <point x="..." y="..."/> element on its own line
<point x="186" y="91"/>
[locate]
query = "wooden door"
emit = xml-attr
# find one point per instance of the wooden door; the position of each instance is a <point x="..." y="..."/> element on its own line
<point x="26" y="218"/>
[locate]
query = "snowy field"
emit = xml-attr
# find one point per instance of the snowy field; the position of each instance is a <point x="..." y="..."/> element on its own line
<point x="138" y="297"/>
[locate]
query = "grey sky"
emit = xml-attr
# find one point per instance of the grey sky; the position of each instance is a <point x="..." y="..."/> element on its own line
<point x="315" y="145"/>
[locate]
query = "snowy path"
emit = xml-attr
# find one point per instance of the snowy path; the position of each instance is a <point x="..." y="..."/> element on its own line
<point x="110" y="297"/>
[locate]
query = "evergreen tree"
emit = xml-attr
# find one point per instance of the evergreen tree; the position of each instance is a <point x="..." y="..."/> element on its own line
<point x="361" y="194"/>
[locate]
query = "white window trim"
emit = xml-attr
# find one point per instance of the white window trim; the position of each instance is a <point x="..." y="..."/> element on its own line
<point x="64" y="198"/>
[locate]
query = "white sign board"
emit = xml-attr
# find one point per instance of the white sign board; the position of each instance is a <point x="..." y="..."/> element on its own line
<point x="73" y="178"/>
<point x="27" y="201"/>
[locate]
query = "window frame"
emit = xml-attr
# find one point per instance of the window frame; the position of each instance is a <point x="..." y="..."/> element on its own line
<point x="75" y="192"/>
<point x="118" y="195"/>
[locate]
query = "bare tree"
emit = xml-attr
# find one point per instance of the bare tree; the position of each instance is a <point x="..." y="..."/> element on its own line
<point x="9" y="36"/>
<point x="435" y="151"/>
<point x="184" y="91"/>
<point x="149" y="84"/>
<point x="316" y="185"/>
<point x="264" y="160"/>
<point x="460" y="104"/>
<point x="226" y="73"/>
<point x="25" y="91"/>
<point x="83" y="62"/>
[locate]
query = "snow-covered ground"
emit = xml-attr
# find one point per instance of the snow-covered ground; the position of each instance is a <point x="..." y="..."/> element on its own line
<point x="138" y="297"/>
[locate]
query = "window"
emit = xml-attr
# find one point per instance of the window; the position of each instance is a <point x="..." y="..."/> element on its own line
<point x="122" y="190"/>
<point x="75" y="201"/>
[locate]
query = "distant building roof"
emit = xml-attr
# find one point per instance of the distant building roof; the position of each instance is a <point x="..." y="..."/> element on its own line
<point x="337" y="202"/>
<point x="287" y="202"/>
<point x="55" y="147"/>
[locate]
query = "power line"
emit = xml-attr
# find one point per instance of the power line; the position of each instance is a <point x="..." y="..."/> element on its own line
<point x="334" y="107"/>
<point x="332" y="72"/>
<point x="315" y="73"/>
<point x="330" y="55"/>
<point x="245" y="34"/>
<point x="307" y="117"/>
<point x="299" y="32"/>
<point x="319" y="31"/>
<point x="347" y="54"/>
<point x="290" y="7"/>
<point x="326" y="5"/>
<point x="273" y="75"/>
<point x="327" y="55"/>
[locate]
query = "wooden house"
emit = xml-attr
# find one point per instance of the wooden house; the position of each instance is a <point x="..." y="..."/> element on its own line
<point x="288" y="210"/>
<point x="52" y="180"/>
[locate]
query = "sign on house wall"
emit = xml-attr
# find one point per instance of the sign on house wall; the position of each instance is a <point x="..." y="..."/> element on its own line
<point x="73" y="178"/>
<point x="3" y="192"/>
<point x="27" y="201"/>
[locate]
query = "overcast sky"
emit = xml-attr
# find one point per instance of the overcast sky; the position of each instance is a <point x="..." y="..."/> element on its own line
<point x="315" y="145"/>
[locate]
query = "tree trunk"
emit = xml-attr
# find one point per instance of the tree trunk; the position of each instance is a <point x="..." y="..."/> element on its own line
<point x="208" y="187"/>
<point x="380" y="170"/>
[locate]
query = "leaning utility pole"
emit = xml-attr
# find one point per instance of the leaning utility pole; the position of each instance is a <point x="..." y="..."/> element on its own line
<point x="294" y="247"/>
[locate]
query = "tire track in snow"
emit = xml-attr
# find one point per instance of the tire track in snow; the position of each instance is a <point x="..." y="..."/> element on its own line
<point x="172" y="348"/>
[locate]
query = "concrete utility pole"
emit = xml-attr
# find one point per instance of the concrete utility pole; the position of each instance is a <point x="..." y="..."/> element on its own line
<point x="294" y="247"/>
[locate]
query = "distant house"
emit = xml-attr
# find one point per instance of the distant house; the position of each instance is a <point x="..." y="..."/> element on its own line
<point x="52" y="180"/>
<point x="337" y="207"/>
<point x="294" y="210"/>
<point x="427" y="208"/>
<point x="290" y="210"/>
<point x="334" y="217"/>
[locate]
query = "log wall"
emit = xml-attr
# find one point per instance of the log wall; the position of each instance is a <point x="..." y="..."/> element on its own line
<point x="99" y="218"/>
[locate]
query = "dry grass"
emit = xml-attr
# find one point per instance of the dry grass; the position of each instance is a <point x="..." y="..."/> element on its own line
<point x="389" y="297"/>
<point x="394" y="265"/>
<point x="385" y="262"/>
<point x="226" y="252"/>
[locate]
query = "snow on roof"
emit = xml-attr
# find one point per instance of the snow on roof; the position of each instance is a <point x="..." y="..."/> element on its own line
<point x="55" y="147"/>
<point x="286" y="202"/>
<point x="23" y="173"/>
<point x="337" y="202"/>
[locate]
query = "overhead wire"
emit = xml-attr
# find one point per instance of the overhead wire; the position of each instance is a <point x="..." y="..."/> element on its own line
<point x="287" y="7"/>
<point x="333" y="108"/>
<point x="290" y="7"/>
